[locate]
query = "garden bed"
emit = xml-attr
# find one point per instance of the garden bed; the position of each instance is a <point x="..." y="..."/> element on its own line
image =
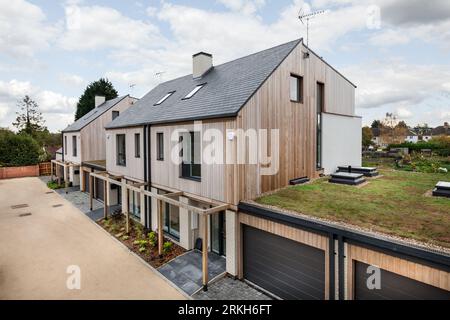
<point x="140" y="242"/>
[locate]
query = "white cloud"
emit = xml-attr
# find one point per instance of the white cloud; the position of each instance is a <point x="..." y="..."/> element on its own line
<point x="54" y="106"/>
<point x="71" y="79"/>
<point x="23" y="28"/>
<point x="97" y="27"/>
<point x="243" y="6"/>
<point x="403" y="113"/>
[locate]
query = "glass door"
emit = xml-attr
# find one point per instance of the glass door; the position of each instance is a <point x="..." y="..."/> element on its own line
<point x="218" y="233"/>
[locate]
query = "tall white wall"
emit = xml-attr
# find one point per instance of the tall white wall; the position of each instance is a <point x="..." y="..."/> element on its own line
<point x="341" y="141"/>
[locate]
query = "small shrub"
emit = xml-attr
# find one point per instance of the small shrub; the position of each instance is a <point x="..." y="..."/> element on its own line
<point x="153" y="239"/>
<point x="142" y="249"/>
<point x="125" y="237"/>
<point x="142" y="244"/>
<point x="54" y="185"/>
<point x="167" y="246"/>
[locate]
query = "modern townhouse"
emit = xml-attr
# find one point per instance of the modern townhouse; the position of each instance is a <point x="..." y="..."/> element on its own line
<point x="84" y="145"/>
<point x="194" y="147"/>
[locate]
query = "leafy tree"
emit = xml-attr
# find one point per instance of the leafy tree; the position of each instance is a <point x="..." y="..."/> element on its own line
<point x="29" y="119"/>
<point x="366" y="136"/>
<point x="18" y="150"/>
<point x="86" y="103"/>
<point x="376" y="124"/>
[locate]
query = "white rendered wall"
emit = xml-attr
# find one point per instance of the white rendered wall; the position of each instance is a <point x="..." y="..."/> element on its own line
<point x="341" y="141"/>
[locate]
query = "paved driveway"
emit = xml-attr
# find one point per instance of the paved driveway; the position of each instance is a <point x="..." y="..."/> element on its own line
<point x="36" y="249"/>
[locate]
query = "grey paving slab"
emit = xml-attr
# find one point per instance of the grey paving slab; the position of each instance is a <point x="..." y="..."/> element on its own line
<point x="227" y="288"/>
<point x="185" y="271"/>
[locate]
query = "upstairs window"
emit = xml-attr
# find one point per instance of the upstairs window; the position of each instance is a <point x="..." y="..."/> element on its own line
<point x="137" y="145"/>
<point x="120" y="150"/>
<point x="164" y="98"/>
<point x="191" y="167"/>
<point x="160" y="146"/>
<point x="65" y="145"/>
<point x="74" y="146"/>
<point x="115" y="114"/>
<point x="194" y="91"/>
<point x="296" y="88"/>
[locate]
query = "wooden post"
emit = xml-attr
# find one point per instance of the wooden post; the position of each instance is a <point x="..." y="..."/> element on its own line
<point x="91" y="191"/>
<point x="128" y="209"/>
<point x="58" y="173"/>
<point x="205" y="253"/>
<point x="160" y="227"/>
<point x="66" y="178"/>
<point x="51" y="171"/>
<point x="106" y="201"/>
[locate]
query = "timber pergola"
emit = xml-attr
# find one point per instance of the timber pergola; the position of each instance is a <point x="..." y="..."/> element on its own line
<point x="65" y="165"/>
<point x="169" y="198"/>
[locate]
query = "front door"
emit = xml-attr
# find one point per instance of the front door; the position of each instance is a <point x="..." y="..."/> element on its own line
<point x="218" y="234"/>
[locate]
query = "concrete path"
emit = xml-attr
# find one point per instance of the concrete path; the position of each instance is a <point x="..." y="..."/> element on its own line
<point x="37" y="249"/>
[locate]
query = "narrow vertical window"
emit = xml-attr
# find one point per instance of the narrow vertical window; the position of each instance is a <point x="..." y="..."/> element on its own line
<point x="74" y="146"/>
<point x="160" y="146"/>
<point x="65" y="145"/>
<point x="137" y="145"/>
<point x="320" y="103"/>
<point x="296" y="88"/>
<point x="120" y="150"/>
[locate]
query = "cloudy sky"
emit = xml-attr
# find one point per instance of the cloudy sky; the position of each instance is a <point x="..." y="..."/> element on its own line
<point x="396" y="51"/>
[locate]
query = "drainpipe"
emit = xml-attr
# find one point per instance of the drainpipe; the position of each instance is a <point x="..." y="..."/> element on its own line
<point x="144" y="137"/>
<point x="62" y="143"/>
<point x="331" y="255"/>
<point x="341" y="257"/>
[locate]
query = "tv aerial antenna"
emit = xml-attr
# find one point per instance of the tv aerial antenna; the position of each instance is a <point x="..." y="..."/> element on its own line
<point x="132" y="88"/>
<point x="302" y="16"/>
<point x="159" y="75"/>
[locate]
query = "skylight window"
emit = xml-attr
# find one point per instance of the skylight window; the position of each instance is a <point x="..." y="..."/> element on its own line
<point x="164" y="98"/>
<point x="194" y="91"/>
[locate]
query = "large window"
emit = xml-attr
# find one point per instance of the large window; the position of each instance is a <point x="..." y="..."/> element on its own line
<point x="120" y="150"/>
<point x="191" y="155"/>
<point x="134" y="201"/>
<point x="296" y="88"/>
<point x="320" y="98"/>
<point x="171" y="217"/>
<point x="115" y="114"/>
<point x="74" y="146"/>
<point x="137" y="145"/>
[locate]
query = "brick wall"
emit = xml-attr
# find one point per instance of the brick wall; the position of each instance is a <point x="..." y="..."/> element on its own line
<point x="17" y="172"/>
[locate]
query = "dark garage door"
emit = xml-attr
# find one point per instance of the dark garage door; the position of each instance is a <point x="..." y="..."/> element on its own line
<point x="86" y="181"/>
<point x="394" y="287"/>
<point x="284" y="267"/>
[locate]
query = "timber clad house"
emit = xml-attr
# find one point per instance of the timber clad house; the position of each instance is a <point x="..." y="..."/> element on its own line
<point x="83" y="143"/>
<point x="157" y="168"/>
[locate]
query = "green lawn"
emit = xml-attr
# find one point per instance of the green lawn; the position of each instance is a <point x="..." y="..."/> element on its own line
<point x="393" y="204"/>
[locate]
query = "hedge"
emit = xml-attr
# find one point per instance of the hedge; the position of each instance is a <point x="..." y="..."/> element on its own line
<point x="436" y="146"/>
<point x="18" y="150"/>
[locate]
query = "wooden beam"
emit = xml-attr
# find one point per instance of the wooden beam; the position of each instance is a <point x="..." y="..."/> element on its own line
<point x="216" y="209"/>
<point x="142" y="203"/>
<point x="160" y="227"/>
<point x="173" y="194"/>
<point x="205" y="253"/>
<point x="91" y="191"/>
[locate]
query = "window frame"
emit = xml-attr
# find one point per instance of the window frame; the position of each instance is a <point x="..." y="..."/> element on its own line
<point x="118" y="162"/>
<point x="65" y="145"/>
<point x="115" y="112"/>
<point x="194" y="91"/>
<point x="192" y="156"/>
<point x="319" y="110"/>
<point x="137" y="145"/>
<point x="74" y="146"/>
<point x="164" y="98"/>
<point x="299" y="88"/>
<point x="160" y="146"/>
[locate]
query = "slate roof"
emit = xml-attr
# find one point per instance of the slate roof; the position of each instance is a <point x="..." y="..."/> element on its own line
<point x="227" y="88"/>
<point x="93" y="114"/>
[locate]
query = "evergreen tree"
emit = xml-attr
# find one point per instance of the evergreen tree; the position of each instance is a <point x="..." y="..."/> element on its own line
<point x="29" y="119"/>
<point x="86" y="103"/>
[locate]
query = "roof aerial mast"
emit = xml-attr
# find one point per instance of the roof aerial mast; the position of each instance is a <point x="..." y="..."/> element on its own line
<point x="307" y="16"/>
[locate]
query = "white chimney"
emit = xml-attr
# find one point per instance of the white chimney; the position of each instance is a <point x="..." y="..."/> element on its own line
<point x="99" y="100"/>
<point x="201" y="63"/>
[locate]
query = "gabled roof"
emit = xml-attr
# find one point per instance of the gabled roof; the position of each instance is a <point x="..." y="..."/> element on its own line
<point x="93" y="114"/>
<point x="227" y="88"/>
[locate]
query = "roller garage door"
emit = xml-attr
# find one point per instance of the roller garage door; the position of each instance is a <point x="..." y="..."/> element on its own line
<point x="284" y="267"/>
<point x="99" y="189"/>
<point x="394" y="287"/>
